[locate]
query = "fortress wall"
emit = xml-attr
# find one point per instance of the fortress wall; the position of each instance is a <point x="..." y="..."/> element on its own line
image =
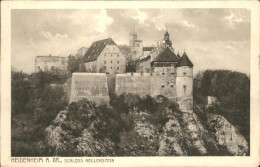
<point x="136" y="84"/>
<point x="164" y="85"/>
<point x="143" y="84"/>
<point x="92" y="86"/>
<point x="188" y="83"/>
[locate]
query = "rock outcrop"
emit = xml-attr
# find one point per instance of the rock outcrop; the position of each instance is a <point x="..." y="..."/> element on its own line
<point x="182" y="134"/>
<point x="227" y="135"/>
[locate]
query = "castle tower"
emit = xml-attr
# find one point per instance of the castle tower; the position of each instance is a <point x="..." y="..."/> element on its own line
<point x="135" y="45"/>
<point x="132" y="39"/>
<point x="184" y="83"/>
<point x="167" y="41"/>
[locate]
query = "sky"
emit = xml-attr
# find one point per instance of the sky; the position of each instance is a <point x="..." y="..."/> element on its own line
<point x="212" y="38"/>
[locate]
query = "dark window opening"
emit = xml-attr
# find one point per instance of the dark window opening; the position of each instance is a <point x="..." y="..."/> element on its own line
<point x="163" y="86"/>
<point x="184" y="73"/>
<point x="184" y="89"/>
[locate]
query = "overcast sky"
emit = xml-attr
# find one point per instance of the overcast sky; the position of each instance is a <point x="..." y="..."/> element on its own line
<point x="212" y="38"/>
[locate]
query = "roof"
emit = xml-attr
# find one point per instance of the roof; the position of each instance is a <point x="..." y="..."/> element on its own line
<point x="184" y="61"/>
<point x="96" y="48"/>
<point x="166" y="56"/>
<point x="148" y="48"/>
<point x="145" y="59"/>
<point x="178" y="55"/>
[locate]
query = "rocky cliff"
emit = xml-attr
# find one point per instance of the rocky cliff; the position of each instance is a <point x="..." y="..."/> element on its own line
<point x="176" y="133"/>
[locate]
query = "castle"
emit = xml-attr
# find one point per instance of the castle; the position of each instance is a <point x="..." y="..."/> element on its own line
<point x="164" y="74"/>
<point x="49" y="63"/>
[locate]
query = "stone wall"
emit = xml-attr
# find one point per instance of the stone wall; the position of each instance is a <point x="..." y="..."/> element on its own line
<point x="110" y="60"/>
<point x="92" y="86"/>
<point x="146" y="83"/>
<point x="133" y="83"/>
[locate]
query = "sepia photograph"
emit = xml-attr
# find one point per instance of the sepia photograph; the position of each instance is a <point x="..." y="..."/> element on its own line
<point x="130" y="82"/>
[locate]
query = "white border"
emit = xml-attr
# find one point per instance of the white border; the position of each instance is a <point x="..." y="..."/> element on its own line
<point x="251" y="160"/>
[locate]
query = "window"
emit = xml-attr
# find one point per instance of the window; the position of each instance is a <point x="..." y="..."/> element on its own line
<point x="172" y="85"/>
<point x="105" y="62"/>
<point x="117" y="61"/>
<point x="184" y="73"/>
<point x="163" y="86"/>
<point x="172" y="71"/>
<point x="163" y="71"/>
<point x="111" y="61"/>
<point x="184" y="89"/>
<point x="111" y="67"/>
<point x="117" y="68"/>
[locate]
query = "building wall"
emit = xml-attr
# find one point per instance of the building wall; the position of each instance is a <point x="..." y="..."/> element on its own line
<point x="137" y="49"/>
<point x="48" y="63"/>
<point x="164" y="80"/>
<point x="146" y="83"/>
<point x="132" y="39"/>
<point x="92" y="86"/>
<point x="184" y="82"/>
<point x="110" y="60"/>
<point x="133" y="83"/>
<point x="91" y="66"/>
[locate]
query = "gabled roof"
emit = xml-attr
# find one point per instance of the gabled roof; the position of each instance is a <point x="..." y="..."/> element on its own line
<point x="184" y="61"/>
<point x="166" y="56"/>
<point x="148" y="48"/>
<point x="96" y="48"/>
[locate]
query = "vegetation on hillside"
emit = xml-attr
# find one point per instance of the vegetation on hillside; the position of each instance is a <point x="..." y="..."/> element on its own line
<point x="36" y="100"/>
<point x="232" y="90"/>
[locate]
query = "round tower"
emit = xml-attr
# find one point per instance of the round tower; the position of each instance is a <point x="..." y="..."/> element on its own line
<point x="184" y="83"/>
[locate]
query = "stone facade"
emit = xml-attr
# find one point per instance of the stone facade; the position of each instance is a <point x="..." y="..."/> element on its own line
<point x="92" y="86"/>
<point x="108" y="60"/>
<point x="136" y="46"/>
<point x="48" y="63"/>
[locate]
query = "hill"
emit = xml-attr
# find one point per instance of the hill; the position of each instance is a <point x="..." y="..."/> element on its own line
<point x="130" y="125"/>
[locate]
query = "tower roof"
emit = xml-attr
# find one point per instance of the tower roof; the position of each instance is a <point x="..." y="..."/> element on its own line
<point x="166" y="33"/>
<point x="184" y="61"/>
<point x="167" y="55"/>
<point x="96" y="48"/>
